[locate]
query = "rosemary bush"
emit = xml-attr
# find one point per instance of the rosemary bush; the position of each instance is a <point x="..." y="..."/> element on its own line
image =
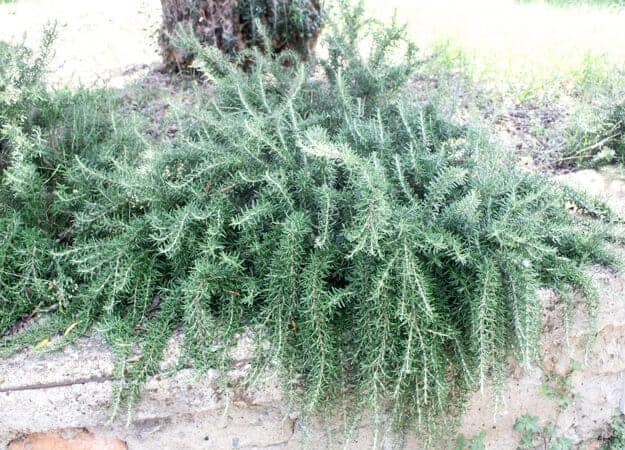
<point x="22" y="94"/>
<point x="376" y="250"/>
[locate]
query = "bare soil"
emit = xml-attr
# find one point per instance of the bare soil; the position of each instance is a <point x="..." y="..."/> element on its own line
<point x="73" y="440"/>
<point x="104" y="43"/>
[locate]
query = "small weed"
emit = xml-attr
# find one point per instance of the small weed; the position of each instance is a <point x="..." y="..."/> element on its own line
<point x="617" y="440"/>
<point x="558" y="388"/>
<point x="535" y="436"/>
<point x="476" y="442"/>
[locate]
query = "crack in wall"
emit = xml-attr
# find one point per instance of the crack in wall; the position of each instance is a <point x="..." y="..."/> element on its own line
<point x="237" y="364"/>
<point x="34" y="387"/>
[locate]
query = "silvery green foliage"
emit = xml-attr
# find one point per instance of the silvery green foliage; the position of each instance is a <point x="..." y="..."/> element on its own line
<point x="377" y="251"/>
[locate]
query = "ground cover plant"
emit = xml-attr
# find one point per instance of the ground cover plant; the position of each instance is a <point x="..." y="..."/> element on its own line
<point x="598" y="137"/>
<point x="375" y="250"/>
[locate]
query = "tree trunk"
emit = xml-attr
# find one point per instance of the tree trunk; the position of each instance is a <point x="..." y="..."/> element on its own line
<point x="231" y="25"/>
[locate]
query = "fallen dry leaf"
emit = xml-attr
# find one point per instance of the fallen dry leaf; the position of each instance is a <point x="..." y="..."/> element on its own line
<point x="42" y="343"/>
<point x="70" y="328"/>
<point x="134" y="359"/>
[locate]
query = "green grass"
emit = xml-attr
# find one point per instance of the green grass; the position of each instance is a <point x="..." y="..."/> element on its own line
<point x="525" y="49"/>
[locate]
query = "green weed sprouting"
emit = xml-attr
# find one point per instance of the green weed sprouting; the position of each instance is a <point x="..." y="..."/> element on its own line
<point x="375" y="250"/>
<point x="533" y="433"/>
<point x="617" y="438"/>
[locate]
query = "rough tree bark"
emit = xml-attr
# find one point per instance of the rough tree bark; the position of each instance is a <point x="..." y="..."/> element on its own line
<point x="229" y="24"/>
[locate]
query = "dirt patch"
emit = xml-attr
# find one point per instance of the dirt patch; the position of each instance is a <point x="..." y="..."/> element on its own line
<point x="606" y="183"/>
<point x="534" y="131"/>
<point x="67" y="440"/>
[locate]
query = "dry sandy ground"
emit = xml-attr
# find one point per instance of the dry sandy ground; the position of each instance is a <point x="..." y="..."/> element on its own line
<point x="106" y="42"/>
<point x="102" y="41"/>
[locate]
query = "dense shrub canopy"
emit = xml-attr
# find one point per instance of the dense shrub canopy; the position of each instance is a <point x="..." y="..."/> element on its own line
<point x="375" y="249"/>
<point x="21" y="87"/>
